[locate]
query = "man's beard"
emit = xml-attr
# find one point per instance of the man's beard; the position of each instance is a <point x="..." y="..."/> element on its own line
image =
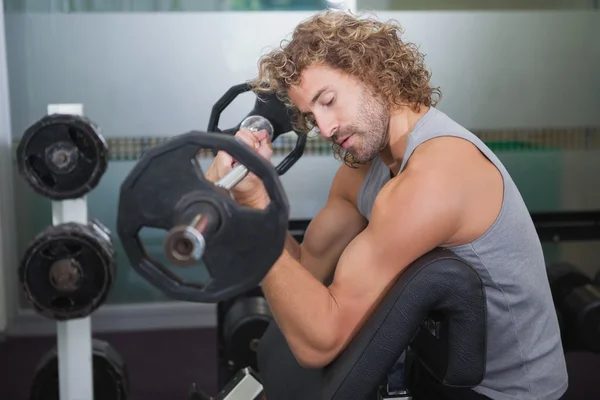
<point x="370" y="133"/>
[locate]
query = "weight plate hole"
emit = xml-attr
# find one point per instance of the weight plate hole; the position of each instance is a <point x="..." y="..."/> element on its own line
<point x="39" y="168"/>
<point x="49" y="252"/>
<point x="81" y="143"/>
<point x="62" y="303"/>
<point x="183" y="247"/>
<point x="74" y="249"/>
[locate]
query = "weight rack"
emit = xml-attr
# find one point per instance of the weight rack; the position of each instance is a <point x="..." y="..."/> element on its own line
<point x="74" y="337"/>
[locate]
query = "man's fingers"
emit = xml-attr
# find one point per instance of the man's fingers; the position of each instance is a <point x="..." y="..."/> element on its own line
<point x="252" y="139"/>
<point x="261" y="135"/>
<point x="224" y="158"/>
<point x="220" y="166"/>
<point x="223" y="162"/>
<point x="265" y="148"/>
<point x="259" y="141"/>
<point x="266" y="142"/>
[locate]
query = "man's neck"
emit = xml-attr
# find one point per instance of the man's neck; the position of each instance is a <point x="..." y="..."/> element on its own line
<point x="402" y="122"/>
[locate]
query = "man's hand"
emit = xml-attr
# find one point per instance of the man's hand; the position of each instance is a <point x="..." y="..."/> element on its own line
<point x="250" y="191"/>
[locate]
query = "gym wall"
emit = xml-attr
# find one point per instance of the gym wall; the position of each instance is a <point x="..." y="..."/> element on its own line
<point x="526" y="82"/>
<point x="6" y="205"/>
<point x="487" y="4"/>
<point x="245" y="5"/>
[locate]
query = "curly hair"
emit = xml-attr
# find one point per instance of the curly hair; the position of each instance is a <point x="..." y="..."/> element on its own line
<point x="365" y="48"/>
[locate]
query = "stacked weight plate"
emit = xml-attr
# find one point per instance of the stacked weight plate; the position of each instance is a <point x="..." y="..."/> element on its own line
<point x="68" y="269"/>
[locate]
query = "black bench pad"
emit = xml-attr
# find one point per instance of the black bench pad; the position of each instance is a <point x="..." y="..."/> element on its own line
<point x="437" y="306"/>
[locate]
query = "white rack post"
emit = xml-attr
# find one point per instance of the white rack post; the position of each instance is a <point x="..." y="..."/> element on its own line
<point x="74" y="337"/>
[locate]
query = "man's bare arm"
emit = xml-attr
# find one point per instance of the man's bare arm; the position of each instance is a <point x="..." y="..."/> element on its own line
<point x="333" y="228"/>
<point x="412" y="215"/>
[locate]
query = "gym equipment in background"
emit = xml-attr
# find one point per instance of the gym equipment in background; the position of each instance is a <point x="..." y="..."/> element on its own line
<point x="577" y="300"/>
<point x="241" y="323"/>
<point x="69" y="268"/>
<point x="62" y="156"/>
<point x="275" y="117"/>
<point x="111" y="377"/>
<point x="564" y="226"/>
<point x="245" y="385"/>
<point x="561" y="227"/>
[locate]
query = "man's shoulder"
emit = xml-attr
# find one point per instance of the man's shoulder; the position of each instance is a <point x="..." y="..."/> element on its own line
<point x="445" y="155"/>
<point x="427" y="177"/>
<point x="422" y="201"/>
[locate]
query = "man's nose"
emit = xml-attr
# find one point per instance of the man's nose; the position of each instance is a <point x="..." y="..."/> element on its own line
<point x="327" y="127"/>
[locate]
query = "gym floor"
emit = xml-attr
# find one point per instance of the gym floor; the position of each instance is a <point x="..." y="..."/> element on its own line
<point x="163" y="364"/>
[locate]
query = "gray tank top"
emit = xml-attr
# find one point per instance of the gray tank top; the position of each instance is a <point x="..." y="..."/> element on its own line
<point x="525" y="358"/>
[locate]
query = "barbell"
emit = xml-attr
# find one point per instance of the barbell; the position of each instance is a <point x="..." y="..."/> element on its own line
<point x="204" y="226"/>
<point x="167" y="190"/>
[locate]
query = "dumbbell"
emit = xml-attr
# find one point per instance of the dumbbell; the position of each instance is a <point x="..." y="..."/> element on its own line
<point x="577" y="300"/>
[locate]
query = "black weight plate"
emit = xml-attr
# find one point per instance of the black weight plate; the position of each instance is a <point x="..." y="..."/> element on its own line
<point x="245" y="323"/>
<point x="68" y="270"/>
<point x="62" y="156"/>
<point x="110" y="375"/>
<point x="248" y="241"/>
<point x="267" y="106"/>
<point x="223" y="103"/>
<point x="583" y="307"/>
<point x="563" y="278"/>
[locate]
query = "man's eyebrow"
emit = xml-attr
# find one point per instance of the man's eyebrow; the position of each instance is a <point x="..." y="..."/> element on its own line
<point x="318" y="94"/>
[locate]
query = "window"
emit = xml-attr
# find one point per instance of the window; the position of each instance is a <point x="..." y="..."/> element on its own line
<point x="68" y="6"/>
<point x="423" y="5"/>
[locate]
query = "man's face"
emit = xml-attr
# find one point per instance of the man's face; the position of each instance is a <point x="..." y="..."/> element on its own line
<point x="344" y="110"/>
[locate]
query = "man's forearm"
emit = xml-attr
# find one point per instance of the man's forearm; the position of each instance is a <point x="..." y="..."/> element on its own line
<point x="291" y="244"/>
<point x="303" y="308"/>
<point x="293" y="247"/>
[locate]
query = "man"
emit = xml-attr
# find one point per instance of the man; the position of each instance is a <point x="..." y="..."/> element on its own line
<point x="412" y="180"/>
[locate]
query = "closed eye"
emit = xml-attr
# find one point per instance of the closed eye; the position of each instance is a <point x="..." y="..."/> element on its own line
<point x="330" y="102"/>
